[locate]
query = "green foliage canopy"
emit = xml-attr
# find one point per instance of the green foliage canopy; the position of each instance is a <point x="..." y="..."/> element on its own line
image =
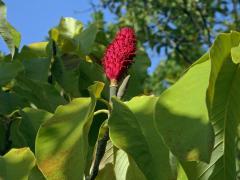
<point x="54" y="109"/>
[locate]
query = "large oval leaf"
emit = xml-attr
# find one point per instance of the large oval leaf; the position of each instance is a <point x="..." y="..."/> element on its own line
<point x="9" y="70"/>
<point x="42" y="95"/>
<point x="132" y="129"/>
<point x="62" y="142"/>
<point x="86" y="39"/>
<point x="223" y="97"/>
<point x="224" y="102"/>
<point x="30" y="123"/>
<point x="35" y="60"/>
<point x="182" y="116"/>
<point x="11" y="101"/>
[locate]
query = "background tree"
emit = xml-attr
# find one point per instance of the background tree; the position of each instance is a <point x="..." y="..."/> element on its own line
<point x="181" y="30"/>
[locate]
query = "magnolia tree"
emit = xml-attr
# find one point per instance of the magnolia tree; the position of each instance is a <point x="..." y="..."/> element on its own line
<point x="73" y="107"/>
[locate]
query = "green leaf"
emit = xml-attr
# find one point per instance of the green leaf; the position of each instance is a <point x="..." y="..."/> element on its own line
<point x="119" y="165"/>
<point x="97" y="52"/>
<point x="235" y="53"/>
<point x="96" y="89"/>
<point x="35" y="174"/>
<point x="69" y="27"/>
<point x="109" y="155"/>
<point x="42" y="95"/>
<point x="16" y="164"/>
<point x="181" y="174"/>
<point x="62" y="141"/>
<point x="89" y="73"/>
<point x="34" y="50"/>
<point x="72" y="72"/>
<point x="223" y="99"/>
<point x="35" y="61"/>
<point x="182" y="115"/>
<point x="7" y="31"/>
<point x="86" y="39"/>
<point x="132" y="129"/>
<point x="96" y="125"/>
<point x="107" y="173"/>
<point x="133" y="171"/>
<point x="9" y="70"/>
<point x="37" y="69"/>
<point x="10" y="102"/>
<point x="224" y="102"/>
<point x="30" y="123"/>
<point x="65" y="32"/>
<point x="138" y="73"/>
<point x="65" y="70"/>
<point x="16" y="137"/>
<point x="126" y="168"/>
<point x="98" y="119"/>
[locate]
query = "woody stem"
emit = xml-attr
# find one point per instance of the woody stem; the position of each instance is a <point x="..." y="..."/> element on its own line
<point x="102" y="143"/>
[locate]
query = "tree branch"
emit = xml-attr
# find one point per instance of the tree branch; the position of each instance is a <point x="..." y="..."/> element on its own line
<point x="205" y="26"/>
<point x="101" y="147"/>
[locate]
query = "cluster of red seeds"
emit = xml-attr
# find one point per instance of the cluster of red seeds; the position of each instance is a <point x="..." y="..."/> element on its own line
<point x="119" y="54"/>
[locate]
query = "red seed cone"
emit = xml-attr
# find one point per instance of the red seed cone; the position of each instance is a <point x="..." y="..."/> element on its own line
<point x="119" y="54"/>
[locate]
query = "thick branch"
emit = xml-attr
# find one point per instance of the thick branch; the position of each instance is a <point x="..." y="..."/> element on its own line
<point x="101" y="147"/>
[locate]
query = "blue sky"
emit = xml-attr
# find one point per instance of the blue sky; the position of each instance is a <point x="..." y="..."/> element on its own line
<point x="33" y="19"/>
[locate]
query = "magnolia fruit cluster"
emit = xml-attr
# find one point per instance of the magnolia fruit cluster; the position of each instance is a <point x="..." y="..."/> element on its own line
<point x="119" y="54"/>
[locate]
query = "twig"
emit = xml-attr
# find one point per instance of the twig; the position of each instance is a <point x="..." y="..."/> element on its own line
<point x="106" y="103"/>
<point x="102" y="143"/>
<point x="101" y="147"/>
<point x="205" y="25"/>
